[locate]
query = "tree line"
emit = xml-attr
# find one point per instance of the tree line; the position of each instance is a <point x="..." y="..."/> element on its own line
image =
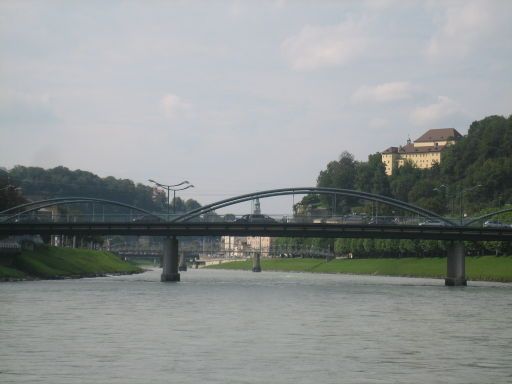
<point x="35" y="183"/>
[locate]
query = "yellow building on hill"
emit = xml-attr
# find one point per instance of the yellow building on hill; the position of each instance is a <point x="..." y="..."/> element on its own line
<point x="423" y="153"/>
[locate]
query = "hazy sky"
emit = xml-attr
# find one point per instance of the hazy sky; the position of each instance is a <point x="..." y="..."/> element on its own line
<point x="240" y="96"/>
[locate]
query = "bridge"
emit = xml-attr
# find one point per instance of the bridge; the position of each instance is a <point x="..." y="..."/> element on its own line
<point x="21" y="220"/>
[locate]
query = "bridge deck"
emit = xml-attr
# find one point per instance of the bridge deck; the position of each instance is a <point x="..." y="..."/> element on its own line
<point x="270" y="229"/>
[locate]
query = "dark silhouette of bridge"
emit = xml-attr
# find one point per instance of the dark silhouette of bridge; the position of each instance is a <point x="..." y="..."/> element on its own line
<point x="18" y="221"/>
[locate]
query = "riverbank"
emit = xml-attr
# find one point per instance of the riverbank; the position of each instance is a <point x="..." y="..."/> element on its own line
<point x="59" y="263"/>
<point x="483" y="268"/>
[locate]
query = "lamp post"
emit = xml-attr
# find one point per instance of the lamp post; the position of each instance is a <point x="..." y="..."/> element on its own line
<point x="172" y="188"/>
<point x="174" y="196"/>
<point x="445" y="194"/>
<point x="461" y="193"/>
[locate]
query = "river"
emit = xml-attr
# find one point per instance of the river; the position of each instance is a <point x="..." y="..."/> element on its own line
<point x="243" y="327"/>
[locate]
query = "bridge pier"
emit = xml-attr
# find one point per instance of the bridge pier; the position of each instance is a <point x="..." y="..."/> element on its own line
<point x="256" y="265"/>
<point x="456" y="267"/>
<point x="170" y="260"/>
<point x="183" y="263"/>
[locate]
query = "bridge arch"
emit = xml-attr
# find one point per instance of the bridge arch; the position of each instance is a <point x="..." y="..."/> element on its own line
<point x="316" y="190"/>
<point x="486" y="216"/>
<point x="37" y="205"/>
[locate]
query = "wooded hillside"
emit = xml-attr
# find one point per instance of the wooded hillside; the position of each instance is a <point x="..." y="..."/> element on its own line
<point x="38" y="183"/>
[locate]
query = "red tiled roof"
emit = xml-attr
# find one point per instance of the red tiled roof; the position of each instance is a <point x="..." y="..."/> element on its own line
<point x="391" y="150"/>
<point x="441" y="134"/>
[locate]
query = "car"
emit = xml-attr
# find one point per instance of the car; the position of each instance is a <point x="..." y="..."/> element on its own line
<point x="433" y="223"/>
<point x="385" y="220"/>
<point x="494" y="224"/>
<point x="26" y="219"/>
<point x="255" y="218"/>
<point x="354" y="219"/>
<point x="147" y="219"/>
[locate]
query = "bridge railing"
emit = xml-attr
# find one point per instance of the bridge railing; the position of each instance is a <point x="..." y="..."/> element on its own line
<point x="45" y="217"/>
<point x="357" y="219"/>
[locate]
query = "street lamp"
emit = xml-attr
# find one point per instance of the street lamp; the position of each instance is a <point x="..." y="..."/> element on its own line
<point x="171" y="188"/>
<point x="460" y="198"/>
<point x="445" y="194"/>
<point x="174" y="196"/>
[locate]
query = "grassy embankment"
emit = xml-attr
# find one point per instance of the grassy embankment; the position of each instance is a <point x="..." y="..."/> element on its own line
<point x="485" y="268"/>
<point x="54" y="262"/>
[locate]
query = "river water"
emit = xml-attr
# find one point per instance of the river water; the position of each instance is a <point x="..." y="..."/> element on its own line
<point x="243" y="327"/>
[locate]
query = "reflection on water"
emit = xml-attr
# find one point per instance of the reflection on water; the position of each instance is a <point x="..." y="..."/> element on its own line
<point x="242" y="327"/>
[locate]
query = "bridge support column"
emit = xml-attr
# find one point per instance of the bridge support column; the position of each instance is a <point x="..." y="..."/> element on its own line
<point x="256" y="265"/>
<point x="170" y="260"/>
<point x="456" y="267"/>
<point x="183" y="263"/>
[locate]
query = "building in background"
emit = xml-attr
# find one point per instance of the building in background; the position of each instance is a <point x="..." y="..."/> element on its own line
<point x="246" y="246"/>
<point x="423" y="153"/>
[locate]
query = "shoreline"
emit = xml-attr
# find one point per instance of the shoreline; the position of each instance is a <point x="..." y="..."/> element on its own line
<point x="55" y="263"/>
<point x="481" y="268"/>
<point x="67" y="277"/>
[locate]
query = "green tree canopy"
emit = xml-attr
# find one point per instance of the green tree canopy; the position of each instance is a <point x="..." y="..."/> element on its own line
<point x="38" y="184"/>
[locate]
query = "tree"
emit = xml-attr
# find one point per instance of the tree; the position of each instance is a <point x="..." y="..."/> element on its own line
<point x="338" y="174"/>
<point x="483" y="157"/>
<point x="10" y="194"/>
<point x="10" y="197"/>
<point x="371" y="176"/>
<point x="424" y="193"/>
<point x="403" y="181"/>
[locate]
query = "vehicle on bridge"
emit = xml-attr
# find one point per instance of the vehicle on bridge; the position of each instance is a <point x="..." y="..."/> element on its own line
<point x="147" y="219"/>
<point x="255" y="218"/>
<point x="385" y="220"/>
<point x="495" y="224"/>
<point x="432" y="223"/>
<point x="355" y="218"/>
<point x="28" y="219"/>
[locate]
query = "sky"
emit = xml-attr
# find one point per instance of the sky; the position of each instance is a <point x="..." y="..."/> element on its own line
<point x="241" y="96"/>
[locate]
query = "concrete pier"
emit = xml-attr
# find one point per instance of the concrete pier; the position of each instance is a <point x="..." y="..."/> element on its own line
<point x="170" y="260"/>
<point x="183" y="263"/>
<point x="256" y="265"/>
<point x="456" y="267"/>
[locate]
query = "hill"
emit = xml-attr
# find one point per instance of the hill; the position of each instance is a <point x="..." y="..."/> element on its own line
<point x="38" y="184"/>
<point x="478" y="168"/>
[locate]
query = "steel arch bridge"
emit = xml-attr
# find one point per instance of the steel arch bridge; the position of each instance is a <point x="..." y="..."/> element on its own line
<point x="312" y="190"/>
<point x="183" y="226"/>
<point x="17" y="211"/>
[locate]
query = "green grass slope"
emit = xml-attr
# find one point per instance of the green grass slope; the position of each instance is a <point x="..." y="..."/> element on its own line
<point x="488" y="268"/>
<point x="7" y="273"/>
<point x="54" y="262"/>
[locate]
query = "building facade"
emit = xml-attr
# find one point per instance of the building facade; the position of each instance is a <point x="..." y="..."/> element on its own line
<point x="423" y="152"/>
<point x="245" y="246"/>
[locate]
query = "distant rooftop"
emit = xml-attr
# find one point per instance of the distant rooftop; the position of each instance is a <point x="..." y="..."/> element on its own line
<point x="440" y="134"/>
<point x="410" y="148"/>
